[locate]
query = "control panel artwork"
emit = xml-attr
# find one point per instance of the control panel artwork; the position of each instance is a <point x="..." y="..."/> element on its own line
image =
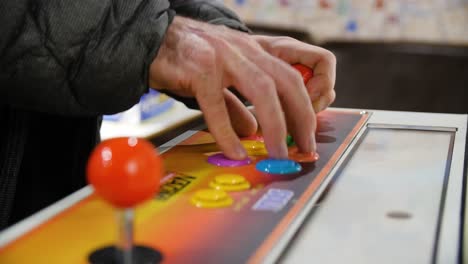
<point x="209" y="209"/>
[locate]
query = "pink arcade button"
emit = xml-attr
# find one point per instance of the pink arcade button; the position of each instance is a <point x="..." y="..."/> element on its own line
<point x="223" y="161"/>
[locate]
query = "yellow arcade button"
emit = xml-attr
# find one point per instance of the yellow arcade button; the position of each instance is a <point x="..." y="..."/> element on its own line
<point x="254" y="148"/>
<point x="210" y="195"/>
<point x="209" y="198"/>
<point x="230" y="182"/>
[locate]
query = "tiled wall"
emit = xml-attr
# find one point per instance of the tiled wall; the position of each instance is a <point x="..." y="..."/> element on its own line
<point x="435" y="21"/>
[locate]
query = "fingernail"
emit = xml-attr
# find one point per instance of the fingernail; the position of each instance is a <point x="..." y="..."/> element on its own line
<point x="313" y="144"/>
<point x="241" y="153"/>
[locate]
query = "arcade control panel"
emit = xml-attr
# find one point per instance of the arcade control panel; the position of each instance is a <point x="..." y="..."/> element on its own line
<point x="385" y="187"/>
<point x="209" y="209"/>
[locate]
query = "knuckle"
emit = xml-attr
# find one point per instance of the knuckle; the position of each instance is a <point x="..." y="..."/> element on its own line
<point x="254" y="44"/>
<point x="222" y="44"/>
<point x="276" y="45"/>
<point x="327" y="87"/>
<point x="329" y="56"/>
<point x="281" y="42"/>
<point x="286" y="39"/>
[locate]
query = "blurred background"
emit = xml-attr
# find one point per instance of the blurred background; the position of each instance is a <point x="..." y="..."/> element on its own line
<point x="408" y="55"/>
<point x="434" y="21"/>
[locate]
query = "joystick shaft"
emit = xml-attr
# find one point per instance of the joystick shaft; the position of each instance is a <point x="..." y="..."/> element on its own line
<point x="125" y="220"/>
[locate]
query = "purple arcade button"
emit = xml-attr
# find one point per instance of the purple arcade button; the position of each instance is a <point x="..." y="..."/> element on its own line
<point x="223" y="161"/>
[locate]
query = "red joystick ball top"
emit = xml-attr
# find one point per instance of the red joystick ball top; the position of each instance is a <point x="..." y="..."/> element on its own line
<point x="306" y="72"/>
<point x="125" y="171"/>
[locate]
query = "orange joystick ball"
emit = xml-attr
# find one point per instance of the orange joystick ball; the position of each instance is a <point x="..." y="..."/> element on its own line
<point x="125" y="171"/>
<point x="306" y="72"/>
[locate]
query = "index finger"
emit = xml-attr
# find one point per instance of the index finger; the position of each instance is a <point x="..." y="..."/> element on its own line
<point x="260" y="90"/>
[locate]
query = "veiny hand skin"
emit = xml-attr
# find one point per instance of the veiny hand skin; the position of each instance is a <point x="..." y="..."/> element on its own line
<point x="198" y="59"/>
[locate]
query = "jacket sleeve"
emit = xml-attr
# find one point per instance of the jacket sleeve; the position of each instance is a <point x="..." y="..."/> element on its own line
<point x="82" y="57"/>
<point x="211" y="12"/>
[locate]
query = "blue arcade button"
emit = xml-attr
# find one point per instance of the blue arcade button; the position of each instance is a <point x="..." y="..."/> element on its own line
<point x="278" y="166"/>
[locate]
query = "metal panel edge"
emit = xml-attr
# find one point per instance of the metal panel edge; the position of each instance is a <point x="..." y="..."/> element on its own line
<point x="449" y="249"/>
<point x="277" y="251"/>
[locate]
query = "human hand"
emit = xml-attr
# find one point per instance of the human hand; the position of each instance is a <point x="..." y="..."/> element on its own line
<point x="321" y="87"/>
<point x="200" y="60"/>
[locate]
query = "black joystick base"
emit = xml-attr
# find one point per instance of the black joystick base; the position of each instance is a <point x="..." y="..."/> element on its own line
<point x="113" y="255"/>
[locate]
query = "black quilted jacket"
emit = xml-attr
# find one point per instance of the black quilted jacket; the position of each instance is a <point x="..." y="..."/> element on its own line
<point x="63" y="63"/>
